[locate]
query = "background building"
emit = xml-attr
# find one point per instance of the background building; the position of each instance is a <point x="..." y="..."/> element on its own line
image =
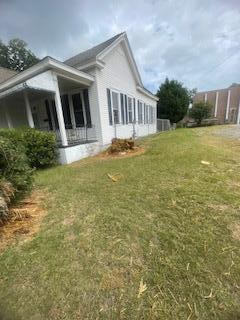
<point x="226" y="103"/>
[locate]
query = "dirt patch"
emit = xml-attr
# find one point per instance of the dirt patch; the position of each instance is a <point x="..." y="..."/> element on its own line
<point x="128" y="153"/>
<point x="25" y="220"/>
<point x="114" y="279"/>
<point x="235" y="228"/>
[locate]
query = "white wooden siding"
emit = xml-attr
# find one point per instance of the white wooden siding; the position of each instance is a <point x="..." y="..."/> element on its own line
<point x="117" y="75"/>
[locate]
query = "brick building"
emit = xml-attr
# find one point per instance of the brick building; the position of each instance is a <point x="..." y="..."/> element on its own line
<point x="226" y="103"/>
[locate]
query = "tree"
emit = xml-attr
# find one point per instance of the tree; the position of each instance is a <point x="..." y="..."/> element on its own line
<point x="16" y="56"/>
<point x="200" y="110"/>
<point x="173" y="101"/>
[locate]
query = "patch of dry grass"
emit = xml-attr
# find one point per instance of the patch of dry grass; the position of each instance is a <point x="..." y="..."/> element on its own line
<point x="25" y="220"/>
<point x="160" y="242"/>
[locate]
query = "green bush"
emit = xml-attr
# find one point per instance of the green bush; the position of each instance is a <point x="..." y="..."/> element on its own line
<point x="40" y="146"/>
<point x="6" y="196"/>
<point x="14" y="167"/>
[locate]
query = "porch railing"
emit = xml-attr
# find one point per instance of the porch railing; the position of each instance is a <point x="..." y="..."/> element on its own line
<point x="78" y="135"/>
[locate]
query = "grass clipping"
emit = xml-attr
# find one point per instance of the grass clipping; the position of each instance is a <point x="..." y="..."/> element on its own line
<point x="25" y="220"/>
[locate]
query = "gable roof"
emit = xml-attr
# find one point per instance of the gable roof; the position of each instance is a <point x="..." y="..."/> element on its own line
<point x="91" y="54"/>
<point x="6" y="74"/>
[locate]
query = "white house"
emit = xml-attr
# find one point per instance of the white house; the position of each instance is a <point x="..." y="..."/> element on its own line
<point x="86" y="100"/>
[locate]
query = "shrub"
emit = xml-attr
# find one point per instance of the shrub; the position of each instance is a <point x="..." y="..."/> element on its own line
<point x="120" y="145"/>
<point x="14" y="167"/>
<point x="6" y="196"/>
<point x="200" y="111"/>
<point x="40" y="146"/>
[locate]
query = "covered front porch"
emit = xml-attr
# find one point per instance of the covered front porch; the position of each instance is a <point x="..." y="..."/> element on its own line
<point x="54" y="100"/>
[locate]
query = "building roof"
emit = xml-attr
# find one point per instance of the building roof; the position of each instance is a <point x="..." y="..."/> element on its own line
<point x="91" y="54"/>
<point x="6" y="74"/>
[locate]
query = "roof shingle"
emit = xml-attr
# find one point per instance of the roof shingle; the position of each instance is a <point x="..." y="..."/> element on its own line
<point x="90" y="54"/>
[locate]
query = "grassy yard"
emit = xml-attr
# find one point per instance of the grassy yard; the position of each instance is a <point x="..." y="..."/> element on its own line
<point x="161" y="243"/>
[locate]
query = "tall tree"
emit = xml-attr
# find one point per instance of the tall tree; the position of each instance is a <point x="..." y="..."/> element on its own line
<point x="16" y="56"/>
<point x="173" y="101"/>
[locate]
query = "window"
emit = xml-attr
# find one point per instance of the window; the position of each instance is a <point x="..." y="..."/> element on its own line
<point x="130" y="110"/>
<point x="115" y="106"/>
<point x="126" y="108"/>
<point x="134" y="110"/>
<point x="122" y="108"/>
<point x="54" y="112"/>
<point x="109" y="107"/>
<point x="140" y="112"/>
<point x="87" y="108"/>
<point x="78" y="110"/>
<point x="66" y="111"/>
<point x="150" y="114"/>
<point x="48" y="115"/>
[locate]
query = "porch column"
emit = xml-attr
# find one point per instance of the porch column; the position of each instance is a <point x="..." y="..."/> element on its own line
<point x="7" y="115"/>
<point x="60" y="117"/>
<point x="228" y="104"/>
<point x="28" y="110"/>
<point x="216" y="105"/>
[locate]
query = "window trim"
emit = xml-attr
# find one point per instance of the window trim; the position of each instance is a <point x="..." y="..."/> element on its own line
<point x="131" y="97"/>
<point x="142" y="123"/>
<point x="119" y="106"/>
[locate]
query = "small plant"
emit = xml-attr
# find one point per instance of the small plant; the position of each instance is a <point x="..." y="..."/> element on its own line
<point x="200" y="111"/>
<point x="121" y="145"/>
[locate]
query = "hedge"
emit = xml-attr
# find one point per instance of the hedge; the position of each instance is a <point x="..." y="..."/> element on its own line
<point x="14" y="167"/>
<point x="40" y="146"/>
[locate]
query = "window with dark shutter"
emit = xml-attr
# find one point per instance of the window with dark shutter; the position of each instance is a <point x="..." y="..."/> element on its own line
<point x="87" y="108"/>
<point x="78" y="110"/>
<point x="126" y="108"/>
<point x="122" y="108"/>
<point x="66" y="111"/>
<point x="48" y="115"/>
<point x="109" y="107"/>
<point x="115" y="107"/>
<point x="54" y="111"/>
<point x="140" y="112"/>
<point x="134" y="110"/>
<point x="130" y="109"/>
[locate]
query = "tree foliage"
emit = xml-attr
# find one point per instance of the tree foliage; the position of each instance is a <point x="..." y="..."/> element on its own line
<point x="16" y="56"/>
<point x="173" y="101"/>
<point x="200" y="111"/>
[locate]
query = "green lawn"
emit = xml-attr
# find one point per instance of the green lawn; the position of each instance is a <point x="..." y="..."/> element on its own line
<point x="171" y="223"/>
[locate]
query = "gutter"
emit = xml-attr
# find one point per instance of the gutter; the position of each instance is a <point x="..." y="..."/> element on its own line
<point x="45" y="64"/>
<point x="147" y="93"/>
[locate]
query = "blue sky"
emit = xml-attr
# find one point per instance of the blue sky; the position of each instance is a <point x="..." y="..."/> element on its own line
<point x="195" y="42"/>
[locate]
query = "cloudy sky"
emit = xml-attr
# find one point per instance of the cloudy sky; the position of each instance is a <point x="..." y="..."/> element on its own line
<point x="194" y="41"/>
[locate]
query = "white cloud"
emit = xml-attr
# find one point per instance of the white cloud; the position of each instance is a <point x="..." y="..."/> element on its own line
<point x="194" y="42"/>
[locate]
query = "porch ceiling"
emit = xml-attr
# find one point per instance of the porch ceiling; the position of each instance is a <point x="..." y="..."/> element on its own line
<point x="66" y="84"/>
<point x="33" y="95"/>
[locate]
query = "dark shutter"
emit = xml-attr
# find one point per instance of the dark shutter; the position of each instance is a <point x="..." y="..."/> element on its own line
<point x="122" y="108"/>
<point x="78" y="110"/>
<point x="55" y="114"/>
<point x="134" y="110"/>
<point x="145" y="114"/>
<point x="48" y="115"/>
<point x="66" y="111"/>
<point x="109" y="107"/>
<point x="126" y="108"/>
<point x="87" y="108"/>
<point x="138" y="106"/>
